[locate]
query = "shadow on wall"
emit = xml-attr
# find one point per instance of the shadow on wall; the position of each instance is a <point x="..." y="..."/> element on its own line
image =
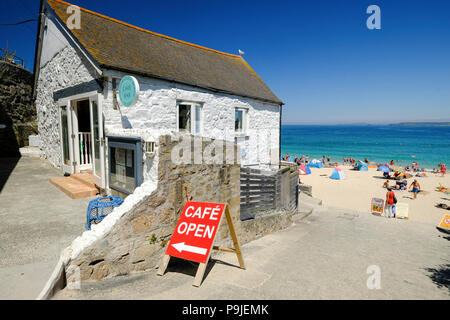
<point x="8" y="142"/>
<point x="7" y="165"/>
<point x="440" y="276"/>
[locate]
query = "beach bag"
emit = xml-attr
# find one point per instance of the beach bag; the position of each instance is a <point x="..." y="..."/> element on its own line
<point x="395" y="199"/>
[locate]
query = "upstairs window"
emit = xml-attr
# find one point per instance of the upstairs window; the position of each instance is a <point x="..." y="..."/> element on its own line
<point x="190" y="118"/>
<point x="240" y="120"/>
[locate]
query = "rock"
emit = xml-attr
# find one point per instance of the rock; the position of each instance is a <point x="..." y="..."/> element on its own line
<point x="120" y="252"/>
<point x="140" y="224"/>
<point x="100" y="271"/>
<point x="144" y="252"/>
<point x="156" y="201"/>
<point x="167" y="215"/>
<point x="86" y="272"/>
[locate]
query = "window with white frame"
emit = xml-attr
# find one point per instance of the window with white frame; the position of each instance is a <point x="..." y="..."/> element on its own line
<point x="240" y="120"/>
<point x="189" y="117"/>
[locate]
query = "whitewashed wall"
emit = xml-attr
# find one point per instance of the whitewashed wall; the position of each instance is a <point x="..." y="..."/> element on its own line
<point x="156" y="111"/>
<point x="61" y="67"/>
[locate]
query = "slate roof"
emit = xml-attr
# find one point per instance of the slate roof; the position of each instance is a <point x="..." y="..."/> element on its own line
<point x="120" y="46"/>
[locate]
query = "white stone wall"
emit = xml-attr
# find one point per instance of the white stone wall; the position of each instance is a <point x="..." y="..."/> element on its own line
<point x="64" y="69"/>
<point x="156" y="113"/>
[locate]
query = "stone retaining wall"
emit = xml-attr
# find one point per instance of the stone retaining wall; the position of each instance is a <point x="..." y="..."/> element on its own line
<point x="17" y="112"/>
<point x="138" y="240"/>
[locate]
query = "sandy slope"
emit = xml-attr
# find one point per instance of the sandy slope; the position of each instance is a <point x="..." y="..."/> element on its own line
<point x="360" y="187"/>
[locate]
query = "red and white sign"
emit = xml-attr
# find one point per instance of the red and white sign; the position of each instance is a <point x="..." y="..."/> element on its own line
<point x="194" y="234"/>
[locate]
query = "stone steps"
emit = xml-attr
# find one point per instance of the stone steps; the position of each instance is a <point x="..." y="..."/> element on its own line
<point x="307" y="205"/>
<point x="85" y="177"/>
<point x="309" y="200"/>
<point x="76" y="186"/>
<point x="32" y="152"/>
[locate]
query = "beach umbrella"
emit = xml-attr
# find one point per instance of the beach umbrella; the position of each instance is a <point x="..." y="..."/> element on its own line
<point x="304" y="169"/>
<point x="338" y="174"/>
<point x="404" y="175"/>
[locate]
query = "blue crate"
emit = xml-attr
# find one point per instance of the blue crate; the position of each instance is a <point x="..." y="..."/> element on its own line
<point x="99" y="208"/>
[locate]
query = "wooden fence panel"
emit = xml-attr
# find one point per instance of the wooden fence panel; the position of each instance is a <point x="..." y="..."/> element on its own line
<point x="258" y="191"/>
<point x="261" y="190"/>
<point x="293" y="191"/>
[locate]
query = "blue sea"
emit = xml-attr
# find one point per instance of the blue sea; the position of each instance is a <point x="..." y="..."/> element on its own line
<point x="404" y="144"/>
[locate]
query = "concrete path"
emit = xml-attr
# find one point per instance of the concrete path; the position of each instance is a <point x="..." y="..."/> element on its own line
<point x="326" y="255"/>
<point x="37" y="222"/>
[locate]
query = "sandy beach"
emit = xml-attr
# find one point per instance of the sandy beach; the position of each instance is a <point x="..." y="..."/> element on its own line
<point x="360" y="187"/>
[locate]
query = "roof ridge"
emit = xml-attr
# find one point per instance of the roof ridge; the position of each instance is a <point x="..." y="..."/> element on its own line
<point x="147" y="31"/>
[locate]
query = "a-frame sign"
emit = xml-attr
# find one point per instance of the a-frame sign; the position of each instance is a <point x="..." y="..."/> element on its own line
<point x="194" y="236"/>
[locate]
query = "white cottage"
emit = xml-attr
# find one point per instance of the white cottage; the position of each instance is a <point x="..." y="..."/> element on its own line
<point x="183" y="87"/>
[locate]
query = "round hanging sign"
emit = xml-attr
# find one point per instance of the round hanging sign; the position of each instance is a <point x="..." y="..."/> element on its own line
<point x="128" y="91"/>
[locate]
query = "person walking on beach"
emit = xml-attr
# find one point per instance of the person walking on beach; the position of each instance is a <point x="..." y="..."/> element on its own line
<point x="416" y="188"/>
<point x="390" y="202"/>
<point x="443" y="169"/>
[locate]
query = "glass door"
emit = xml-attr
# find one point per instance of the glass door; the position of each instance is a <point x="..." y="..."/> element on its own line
<point x="67" y="154"/>
<point x="98" y="142"/>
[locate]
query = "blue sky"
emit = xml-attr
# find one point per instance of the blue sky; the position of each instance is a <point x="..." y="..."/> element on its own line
<point x="317" y="56"/>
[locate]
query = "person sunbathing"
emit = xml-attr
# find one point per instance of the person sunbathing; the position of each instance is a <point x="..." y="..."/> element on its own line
<point x="423" y="174"/>
<point x="386" y="184"/>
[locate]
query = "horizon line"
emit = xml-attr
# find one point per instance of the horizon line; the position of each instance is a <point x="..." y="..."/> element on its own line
<point x="364" y="123"/>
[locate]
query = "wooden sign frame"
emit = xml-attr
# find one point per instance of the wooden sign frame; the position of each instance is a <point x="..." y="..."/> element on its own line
<point x="202" y="266"/>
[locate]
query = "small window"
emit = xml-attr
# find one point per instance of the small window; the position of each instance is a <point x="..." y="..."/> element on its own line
<point x="190" y="118"/>
<point x="184" y="117"/>
<point x="240" y="118"/>
<point x="122" y="169"/>
<point x="125" y="163"/>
